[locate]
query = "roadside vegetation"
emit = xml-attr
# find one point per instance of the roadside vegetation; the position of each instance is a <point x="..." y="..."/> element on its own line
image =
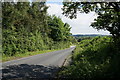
<point x="27" y="27"/>
<point x="96" y="58"/>
<point x="99" y="57"/>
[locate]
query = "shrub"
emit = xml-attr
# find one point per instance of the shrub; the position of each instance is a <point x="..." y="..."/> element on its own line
<point x="94" y="58"/>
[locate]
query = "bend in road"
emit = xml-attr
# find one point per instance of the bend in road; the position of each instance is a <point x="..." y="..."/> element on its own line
<point x="37" y="66"/>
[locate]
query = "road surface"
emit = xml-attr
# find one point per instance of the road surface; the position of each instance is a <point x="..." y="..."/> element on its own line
<point x="35" y="67"/>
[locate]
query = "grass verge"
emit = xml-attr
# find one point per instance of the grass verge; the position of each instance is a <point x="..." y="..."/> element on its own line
<point x="17" y="56"/>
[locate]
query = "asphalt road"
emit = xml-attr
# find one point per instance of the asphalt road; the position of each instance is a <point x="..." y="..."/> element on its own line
<point x="35" y="67"/>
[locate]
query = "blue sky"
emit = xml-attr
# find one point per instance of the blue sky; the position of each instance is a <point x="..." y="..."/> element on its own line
<point x="59" y="2"/>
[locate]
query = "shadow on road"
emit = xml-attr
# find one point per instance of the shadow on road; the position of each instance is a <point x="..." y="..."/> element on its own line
<point x="26" y="72"/>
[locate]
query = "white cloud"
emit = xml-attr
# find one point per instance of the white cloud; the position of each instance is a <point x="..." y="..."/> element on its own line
<point x="55" y="9"/>
<point x="55" y="0"/>
<point x="81" y="25"/>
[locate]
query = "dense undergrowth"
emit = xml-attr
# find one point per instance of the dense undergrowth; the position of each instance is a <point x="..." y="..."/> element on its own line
<point x="96" y="58"/>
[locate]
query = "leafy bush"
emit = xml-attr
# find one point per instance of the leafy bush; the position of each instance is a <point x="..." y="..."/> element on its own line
<point x="27" y="27"/>
<point x="94" y="58"/>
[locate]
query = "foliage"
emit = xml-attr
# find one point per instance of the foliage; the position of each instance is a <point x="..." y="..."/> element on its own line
<point x="57" y="28"/>
<point x="26" y="27"/>
<point x="108" y="14"/>
<point x="97" y="58"/>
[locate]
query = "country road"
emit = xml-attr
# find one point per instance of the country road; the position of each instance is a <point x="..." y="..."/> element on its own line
<point x="35" y="67"/>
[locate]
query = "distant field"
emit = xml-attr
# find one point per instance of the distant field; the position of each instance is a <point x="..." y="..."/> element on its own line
<point x="88" y="35"/>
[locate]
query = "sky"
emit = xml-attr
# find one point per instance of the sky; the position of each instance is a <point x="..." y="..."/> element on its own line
<point x="81" y="25"/>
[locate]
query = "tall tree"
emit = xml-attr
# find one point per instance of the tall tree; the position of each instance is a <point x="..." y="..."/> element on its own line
<point x="27" y="27"/>
<point x="108" y="14"/>
<point x="58" y="30"/>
